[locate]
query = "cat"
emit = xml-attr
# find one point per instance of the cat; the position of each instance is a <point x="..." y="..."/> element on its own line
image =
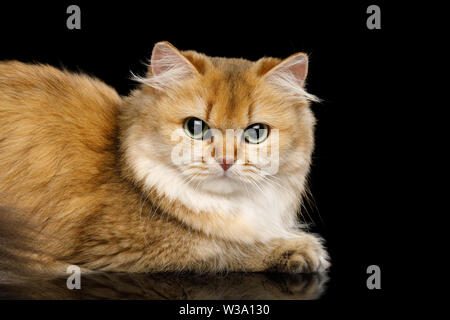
<point x="95" y="178"/>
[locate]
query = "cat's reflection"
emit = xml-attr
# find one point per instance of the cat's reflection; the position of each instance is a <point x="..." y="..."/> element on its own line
<point x="252" y="286"/>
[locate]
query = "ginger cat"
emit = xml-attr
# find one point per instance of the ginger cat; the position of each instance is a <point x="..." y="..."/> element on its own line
<point x="96" y="177"/>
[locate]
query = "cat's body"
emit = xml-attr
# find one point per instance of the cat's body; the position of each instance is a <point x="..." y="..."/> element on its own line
<point x="92" y="171"/>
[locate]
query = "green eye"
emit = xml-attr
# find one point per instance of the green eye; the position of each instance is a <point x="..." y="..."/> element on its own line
<point x="195" y="128"/>
<point x="256" y="133"/>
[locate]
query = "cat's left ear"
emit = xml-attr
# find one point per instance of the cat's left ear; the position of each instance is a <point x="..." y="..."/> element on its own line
<point x="289" y="75"/>
<point x="291" y="72"/>
<point x="167" y="58"/>
<point x="168" y="66"/>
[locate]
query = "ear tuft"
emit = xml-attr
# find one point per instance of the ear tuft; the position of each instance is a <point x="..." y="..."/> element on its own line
<point x="168" y="67"/>
<point x="291" y="74"/>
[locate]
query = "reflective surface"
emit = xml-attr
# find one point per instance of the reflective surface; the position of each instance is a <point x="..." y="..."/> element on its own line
<point x="260" y="286"/>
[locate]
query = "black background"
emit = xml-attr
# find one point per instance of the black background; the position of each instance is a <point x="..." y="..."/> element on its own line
<point x="355" y="174"/>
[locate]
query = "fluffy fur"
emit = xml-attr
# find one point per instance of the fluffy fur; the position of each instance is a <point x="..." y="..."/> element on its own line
<point x="92" y="171"/>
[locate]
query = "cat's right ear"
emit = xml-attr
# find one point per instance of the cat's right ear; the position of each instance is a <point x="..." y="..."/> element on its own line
<point x="289" y="74"/>
<point x="168" y="67"/>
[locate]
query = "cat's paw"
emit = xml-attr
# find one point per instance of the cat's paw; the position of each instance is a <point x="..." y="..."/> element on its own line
<point x="304" y="254"/>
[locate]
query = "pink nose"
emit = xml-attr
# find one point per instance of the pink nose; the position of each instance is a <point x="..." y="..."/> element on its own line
<point x="225" y="163"/>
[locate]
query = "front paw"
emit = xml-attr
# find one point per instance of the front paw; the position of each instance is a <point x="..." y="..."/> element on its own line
<point x="304" y="254"/>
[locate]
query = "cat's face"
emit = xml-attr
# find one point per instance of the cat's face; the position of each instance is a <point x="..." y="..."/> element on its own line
<point x="221" y="125"/>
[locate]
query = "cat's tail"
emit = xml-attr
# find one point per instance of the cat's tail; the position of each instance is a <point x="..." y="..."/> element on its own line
<point x="20" y="259"/>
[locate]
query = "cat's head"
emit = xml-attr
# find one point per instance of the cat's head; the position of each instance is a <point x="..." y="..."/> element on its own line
<point x="217" y="125"/>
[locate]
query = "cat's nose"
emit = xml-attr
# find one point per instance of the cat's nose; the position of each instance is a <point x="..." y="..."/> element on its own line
<point x="225" y="163"/>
